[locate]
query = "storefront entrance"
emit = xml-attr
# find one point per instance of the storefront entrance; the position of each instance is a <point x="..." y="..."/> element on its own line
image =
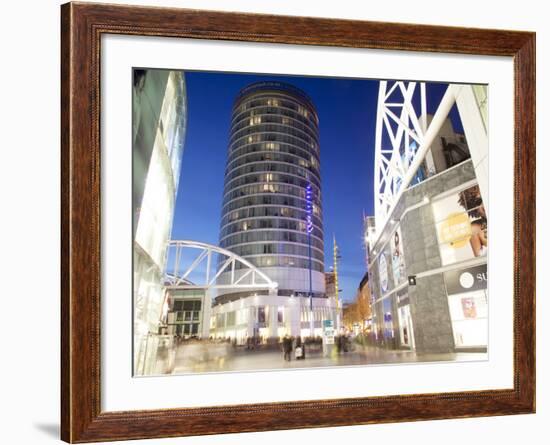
<point x="406" y="334"/>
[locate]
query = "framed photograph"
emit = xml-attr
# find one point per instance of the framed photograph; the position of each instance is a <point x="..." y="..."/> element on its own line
<point x="275" y="222"/>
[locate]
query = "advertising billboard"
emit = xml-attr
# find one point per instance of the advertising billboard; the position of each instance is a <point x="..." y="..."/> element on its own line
<point x="398" y="258"/>
<point x="461" y="224"/>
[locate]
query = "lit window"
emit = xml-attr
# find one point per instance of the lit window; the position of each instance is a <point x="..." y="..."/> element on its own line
<point x="271" y="146"/>
<point x="272" y="102"/>
<point x="255" y="120"/>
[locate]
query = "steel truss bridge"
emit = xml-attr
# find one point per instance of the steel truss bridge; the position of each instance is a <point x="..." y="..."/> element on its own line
<point x="213" y="268"/>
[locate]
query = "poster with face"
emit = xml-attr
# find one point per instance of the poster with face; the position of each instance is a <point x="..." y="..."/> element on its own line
<point x="469" y="308"/>
<point x="461" y="224"/>
<point x="397" y="257"/>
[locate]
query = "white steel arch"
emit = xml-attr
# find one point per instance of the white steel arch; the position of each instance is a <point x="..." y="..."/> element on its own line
<point x="399" y="133"/>
<point x="403" y="138"/>
<point x="208" y="266"/>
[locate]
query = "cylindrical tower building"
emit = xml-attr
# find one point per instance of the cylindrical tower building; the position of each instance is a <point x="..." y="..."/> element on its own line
<point x="272" y="216"/>
<point x="273" y="156"/>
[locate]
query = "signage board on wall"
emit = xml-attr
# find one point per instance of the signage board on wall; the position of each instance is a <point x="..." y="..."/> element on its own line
<point x="328" y="332"/>
<point x="465" y="280"/>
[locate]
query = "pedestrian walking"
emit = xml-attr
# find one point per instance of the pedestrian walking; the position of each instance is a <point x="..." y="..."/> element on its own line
<point x="299" y="351"/>
<point x="287" y="347"/>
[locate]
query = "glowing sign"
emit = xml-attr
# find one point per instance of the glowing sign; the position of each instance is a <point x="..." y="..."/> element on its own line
<point x="309" y="209"/>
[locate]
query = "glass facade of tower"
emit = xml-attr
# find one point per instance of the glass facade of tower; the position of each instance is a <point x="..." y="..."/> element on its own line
<point x="159" y="129"/>
<point x="273" y="156"/>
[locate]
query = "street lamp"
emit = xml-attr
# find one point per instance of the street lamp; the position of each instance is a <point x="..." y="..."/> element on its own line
<point x="336" y="257"/>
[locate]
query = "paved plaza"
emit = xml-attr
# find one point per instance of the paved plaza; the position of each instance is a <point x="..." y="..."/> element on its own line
<point x="207" y="357"/>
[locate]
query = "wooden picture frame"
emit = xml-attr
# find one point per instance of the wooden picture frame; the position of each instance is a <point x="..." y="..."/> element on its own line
<point x="82" y="25"/>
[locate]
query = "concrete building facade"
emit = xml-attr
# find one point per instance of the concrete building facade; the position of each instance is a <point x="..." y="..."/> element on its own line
<point x="428" y="278"/>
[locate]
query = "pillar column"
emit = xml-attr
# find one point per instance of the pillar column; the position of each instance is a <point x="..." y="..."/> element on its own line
<point x="273" y="323"/>
<point x="476" y="136"/>
<point x="251" y="321"/>
<point x="206" y="311"/>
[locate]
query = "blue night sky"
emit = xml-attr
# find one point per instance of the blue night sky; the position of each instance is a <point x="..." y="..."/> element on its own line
<point x="347" y="122"/>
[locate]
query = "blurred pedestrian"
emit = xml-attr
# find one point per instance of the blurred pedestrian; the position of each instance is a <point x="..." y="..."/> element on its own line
<point x="300" y="349"/>
<point x="287" y="347"/>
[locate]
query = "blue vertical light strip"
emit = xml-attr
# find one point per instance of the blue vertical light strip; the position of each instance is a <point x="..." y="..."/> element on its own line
<point x="309" y="229"/>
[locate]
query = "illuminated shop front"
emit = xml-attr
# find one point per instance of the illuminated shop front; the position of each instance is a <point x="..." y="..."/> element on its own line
<point x="268" y="318"/>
